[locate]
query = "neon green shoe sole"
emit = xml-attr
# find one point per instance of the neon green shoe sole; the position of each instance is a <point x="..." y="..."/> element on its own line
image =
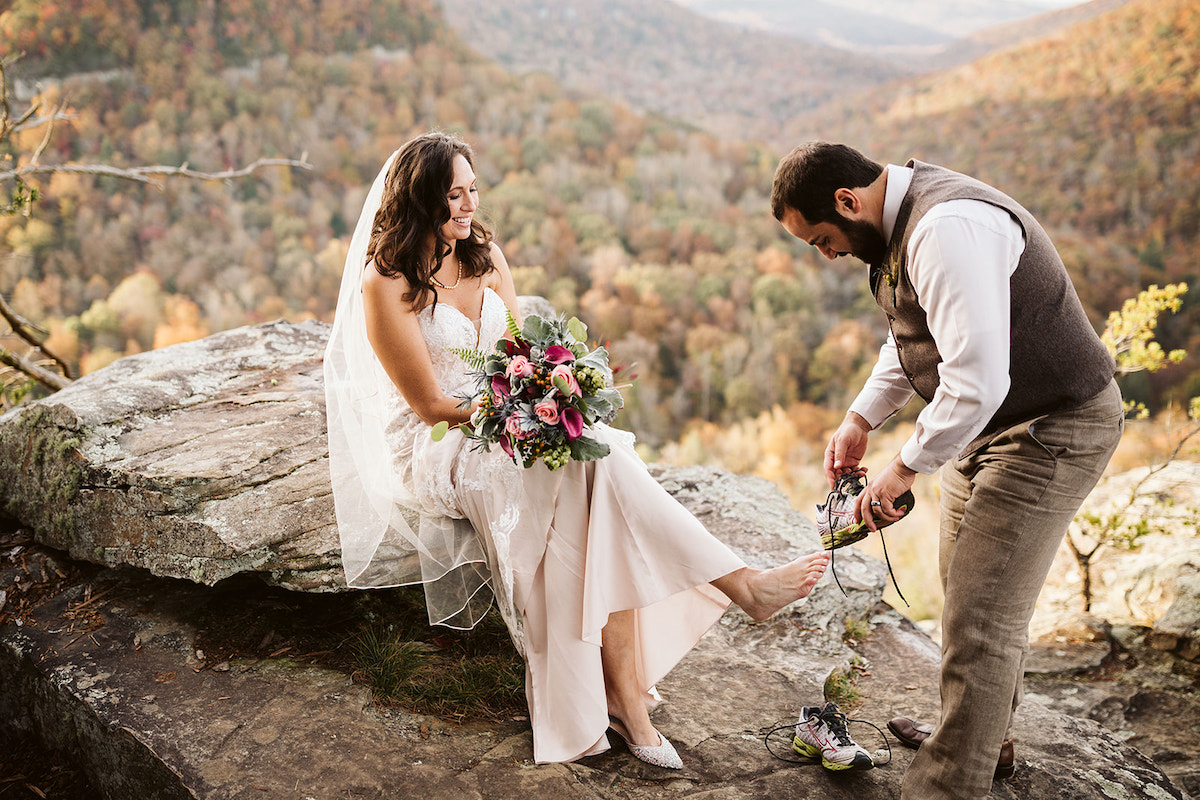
<point x="857" y="531"/>
<point x="860" y="762"/>
<point x="804" y="748"/>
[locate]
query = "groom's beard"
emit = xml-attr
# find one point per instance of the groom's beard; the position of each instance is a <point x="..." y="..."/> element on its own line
<point x="866" y="243"/>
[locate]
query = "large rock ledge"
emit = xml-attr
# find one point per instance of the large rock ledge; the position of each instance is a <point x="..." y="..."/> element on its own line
<point x="197" y="461"/>
<point x="206" y="462"/>
<point x="128" y="697"/>
<point x="210" y="459"/>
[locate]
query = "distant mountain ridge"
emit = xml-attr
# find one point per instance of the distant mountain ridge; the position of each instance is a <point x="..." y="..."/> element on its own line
<point x="980" y="43"/>
<point x="1095" y="128"/>
<point x="897" y="26"/>
<point x="916" y="35"/>
<point x="735" y="79"/>
<point x="659" y="57"/>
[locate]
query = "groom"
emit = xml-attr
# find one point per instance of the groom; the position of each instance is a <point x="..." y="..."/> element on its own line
<point x="1023" y="413"/>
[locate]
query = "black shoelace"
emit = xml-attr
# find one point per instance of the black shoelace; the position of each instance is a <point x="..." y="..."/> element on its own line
<point x="852" y="478"/>
<point x="796" y="759"/>
<point x="836" y="722"/>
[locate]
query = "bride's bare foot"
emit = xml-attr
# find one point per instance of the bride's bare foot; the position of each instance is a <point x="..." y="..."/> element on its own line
<point x="762" y="592"/>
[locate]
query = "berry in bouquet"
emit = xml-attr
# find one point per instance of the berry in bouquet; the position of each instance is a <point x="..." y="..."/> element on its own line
<point x="541" y="389"/>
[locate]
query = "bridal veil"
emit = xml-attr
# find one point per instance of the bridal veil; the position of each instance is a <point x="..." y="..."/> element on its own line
<point x="386" y="538"/>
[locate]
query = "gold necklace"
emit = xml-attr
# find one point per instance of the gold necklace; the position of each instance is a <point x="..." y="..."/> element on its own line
<point x="441" y="285"/>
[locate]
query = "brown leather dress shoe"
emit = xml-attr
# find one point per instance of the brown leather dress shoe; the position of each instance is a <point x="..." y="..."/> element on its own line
<point x="1006" y="766"/>
<point x="912" y="733"/>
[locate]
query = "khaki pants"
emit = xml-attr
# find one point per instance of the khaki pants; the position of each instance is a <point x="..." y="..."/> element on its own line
<point x="1005" y="508"/>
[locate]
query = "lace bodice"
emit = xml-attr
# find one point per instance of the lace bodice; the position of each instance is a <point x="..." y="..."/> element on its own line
<point x="445" y="327"/>
<point x="427" y="470"/>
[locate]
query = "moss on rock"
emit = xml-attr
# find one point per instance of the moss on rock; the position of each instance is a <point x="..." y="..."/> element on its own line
<point x="42" y="471"/>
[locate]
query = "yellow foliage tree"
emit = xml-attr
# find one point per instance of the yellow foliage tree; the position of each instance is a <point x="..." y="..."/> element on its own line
<point x="182" y="323"/>
<point x="1138" y="511"/>
<point x="1129" y="334"/>
<point x="138" y="301"/>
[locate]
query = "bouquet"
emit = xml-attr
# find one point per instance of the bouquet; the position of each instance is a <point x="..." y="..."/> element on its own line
<point x="540" y="389"/>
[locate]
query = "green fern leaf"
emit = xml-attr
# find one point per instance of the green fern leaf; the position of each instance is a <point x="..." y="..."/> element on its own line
<point x="474" y="359"/>
<point x="514" y="330"/>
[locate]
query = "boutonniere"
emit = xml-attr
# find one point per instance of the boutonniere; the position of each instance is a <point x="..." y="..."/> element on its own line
<point x="890" y="270"/>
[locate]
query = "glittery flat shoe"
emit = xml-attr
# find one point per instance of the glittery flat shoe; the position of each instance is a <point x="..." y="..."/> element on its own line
<point x="663" y="755"/>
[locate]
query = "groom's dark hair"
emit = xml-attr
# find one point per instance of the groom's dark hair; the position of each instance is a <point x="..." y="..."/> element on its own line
<point x="807" y="177"/>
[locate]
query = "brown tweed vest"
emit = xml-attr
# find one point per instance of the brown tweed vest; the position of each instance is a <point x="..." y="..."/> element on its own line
<point x="1056" y="360"/>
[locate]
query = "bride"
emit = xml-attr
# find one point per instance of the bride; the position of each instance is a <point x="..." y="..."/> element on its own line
<point x="604" y="581"/>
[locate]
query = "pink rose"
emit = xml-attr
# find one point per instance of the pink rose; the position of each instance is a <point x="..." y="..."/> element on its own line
<point x="564" y="379"/>
<point x="572" y="422"/>
<point x="513" y="426"/>
<point x="519" y="367"/>
<point x="547" y="412"/>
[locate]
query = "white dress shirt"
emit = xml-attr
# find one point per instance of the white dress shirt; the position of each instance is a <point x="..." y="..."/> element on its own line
<point x="960" y="257"/>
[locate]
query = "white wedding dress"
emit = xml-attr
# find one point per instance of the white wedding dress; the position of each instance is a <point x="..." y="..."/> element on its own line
<point x="577" y="544"/>
<point x="560" y="551"/>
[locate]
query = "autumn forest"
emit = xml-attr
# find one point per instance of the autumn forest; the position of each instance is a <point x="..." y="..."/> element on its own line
<point x="654" y="231"/>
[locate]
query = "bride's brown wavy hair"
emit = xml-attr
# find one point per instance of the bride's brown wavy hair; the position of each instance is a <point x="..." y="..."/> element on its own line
<point x="413" y="206"/>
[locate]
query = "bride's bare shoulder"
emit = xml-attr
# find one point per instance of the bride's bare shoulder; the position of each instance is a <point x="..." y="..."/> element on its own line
<point x="501" y="275"/>
<point x="382" y="287"/>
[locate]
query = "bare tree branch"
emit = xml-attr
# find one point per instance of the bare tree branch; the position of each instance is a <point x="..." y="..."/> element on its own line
<point x="51" y="380"/>
<point x="41" y="148"/>
<point x="17" y="322"/>
<point x="152" y="173"/>
<point x="23" y="121"/>
<point x="28" y="331"/>
<point x="25" y="124"/>
<point x="1136" y="491"/>
<point x="24" y="195"/>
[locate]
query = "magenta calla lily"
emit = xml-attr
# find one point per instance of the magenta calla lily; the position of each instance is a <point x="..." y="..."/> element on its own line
<point x="512" y="348"/>
<point x="500" y="386"/>
<point x="557" y="354"/>
<point x="572" y="422"/>
<point x="506" y="446"/>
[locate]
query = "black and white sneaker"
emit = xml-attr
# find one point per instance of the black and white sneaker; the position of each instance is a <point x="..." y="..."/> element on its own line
<point x="835" y="519"/>
<point x="821" y="732"/>
<point x="838" y="528"/>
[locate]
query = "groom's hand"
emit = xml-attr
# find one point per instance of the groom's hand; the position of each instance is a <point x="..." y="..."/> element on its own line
<point x="846" y="447"/>
<point x="876" y="503"/>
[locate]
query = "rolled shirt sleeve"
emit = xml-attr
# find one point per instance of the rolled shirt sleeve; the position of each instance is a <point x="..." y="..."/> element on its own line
<point x="960" y="257"/>
<point x="886" y="391"/>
